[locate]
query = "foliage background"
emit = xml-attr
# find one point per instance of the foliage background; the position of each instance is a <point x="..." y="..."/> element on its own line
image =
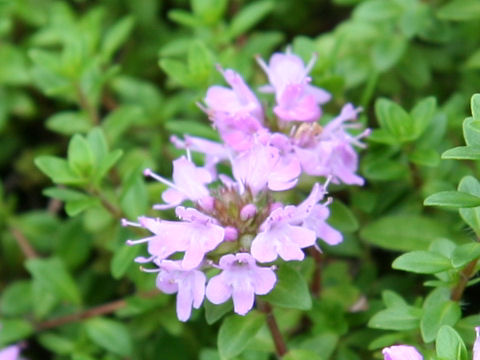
<point x="90" y="92"/>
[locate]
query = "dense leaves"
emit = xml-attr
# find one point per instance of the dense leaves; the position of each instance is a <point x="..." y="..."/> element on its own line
<point x="92" y="91"/>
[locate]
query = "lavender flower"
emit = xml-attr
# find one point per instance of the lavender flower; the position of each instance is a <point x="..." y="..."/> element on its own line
<point x="240" y="279"/>
<point x="196" y="235"/>
<point x="188" y="183"/>
<point x="296" y="99"/>
<point x="313" y="216"/>
<point x="278" y="237"/>
<point x="401" y="352"/>
<point x="188" y="284"/>
<point x="11" y="352"/>
<point x="235" y="112"/>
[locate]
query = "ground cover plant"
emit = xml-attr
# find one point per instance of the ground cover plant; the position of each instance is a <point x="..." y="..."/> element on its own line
<point x="233" y="179"/>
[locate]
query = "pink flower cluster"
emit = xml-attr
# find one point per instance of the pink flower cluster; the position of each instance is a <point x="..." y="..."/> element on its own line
<point x="231" y="222"/>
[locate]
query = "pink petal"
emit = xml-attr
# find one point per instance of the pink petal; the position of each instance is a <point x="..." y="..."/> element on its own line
<point x="184" y="301"/>
<point x="301" y="236"/>
<point x="173" y="197"/>
<point x="166" y="283"/>
<point x="243" y="297"/>
<point x="264" y="280"/>
<point x="218" y="291"/>
<point x="198" y="288"/>
<point x="401" y="352"/>
<point x="194" y="255"/>
<point x="289" y="251"/>
<point x="263" y="248"/>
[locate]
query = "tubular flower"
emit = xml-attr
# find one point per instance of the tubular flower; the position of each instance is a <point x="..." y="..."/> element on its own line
<point x="296" y="99"/>
<point x="240" y="279"/>
<point x="188" y="284"/>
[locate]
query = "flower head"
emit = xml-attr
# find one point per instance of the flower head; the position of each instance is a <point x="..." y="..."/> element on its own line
<point x="401" y="352"/>
<point x="240" y="279"/>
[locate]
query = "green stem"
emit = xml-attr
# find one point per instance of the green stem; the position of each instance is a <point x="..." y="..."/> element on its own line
<point x="369" y="89"/>
<point x="85" y="105"/>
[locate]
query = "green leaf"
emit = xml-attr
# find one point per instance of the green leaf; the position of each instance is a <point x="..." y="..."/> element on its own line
<point x="80" y="155"/>
<point x="213" y="312"/>
<point x="377" y="10"/>
<point x="122" y="260"/>
<point x="384" y="169"/>
<point x="236" y="332"/>
<point x="291" y="290"/>
<point x="455" y="199"/>
<point x="64" y="194"/>
<point x="69" y="122"/>
<point x="388" y="51"/>
<point x="449" y="345"/>
<point x="210" y="11"/>
<point x="14" y="330"/>
<point x="475" y="105"/>
<point x="200" y="63"/>
<point x="463" y="153"/>
<point x="106" y="164"/>
<point x="460" y="10"/>
<point x="111" y="335"/>
<point x="249" y="16"/>
<point x="184" y="18"/>
<point x="58" y="170"/>
<point x="403" y="232"/>
<point x="16" y="298"/>
<point x="396" y="318"/>
<point x="471" y="216"/>
<point x="422" y="262"/>
<point x="471" y="132"/>
<point x="382" y="136"/>
<point x="75" y="207"/>
<point x="53" y="276"/>
<point x="438" y="310"/>
<point x="97" y="144"/>
<point x="342" y="218"/>
<point x="134" y="200"/>
<point x="465" y="253"/>
<point x="56" y="343"/>
<point x="424" y="157"/>
<point x="392" y="299"/>
<point x="177" y="71"/>
<point x="301" y="354"/>
<point x="423" y="113"/>
<point x="116" y="36"/>
<point x="395" y="120"/>
<point x="118" y="121"/>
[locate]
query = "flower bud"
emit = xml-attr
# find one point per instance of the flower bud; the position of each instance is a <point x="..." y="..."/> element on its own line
<point x="248" y="211"/>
